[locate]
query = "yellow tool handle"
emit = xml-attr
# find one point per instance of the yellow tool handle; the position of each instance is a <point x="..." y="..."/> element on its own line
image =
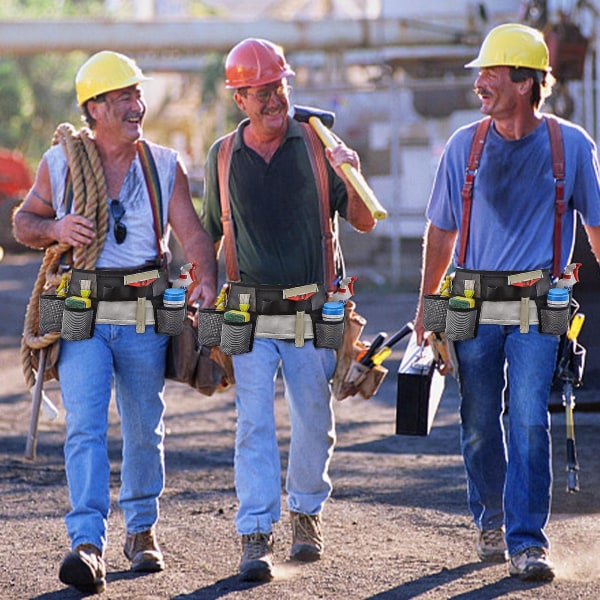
<point x="356" y="179"/>
<point x="575" y="326"/>
<point x="381" y="355"/>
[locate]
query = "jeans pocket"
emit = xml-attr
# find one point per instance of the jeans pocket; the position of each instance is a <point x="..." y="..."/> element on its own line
<point x="77" y="324"/>
<point x="435" y="308"/>
<point x="328" y="334"/>
<point x="554" y="320"/>
<point x="236" y="338"/>
<point x="461" y="323"/>
<point x="169" y="319"/>
<point x="210" y="324"/>
<point x="51" y="312"/>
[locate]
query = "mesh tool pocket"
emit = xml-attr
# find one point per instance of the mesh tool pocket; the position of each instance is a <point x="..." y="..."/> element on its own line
<point x="77" y="324"/>
<point x="328" y="334"/>
<point x="51" y="312"/>
<point x="554" y="320"/>
<point x="210" y="324"/>
<point x="461" y="323"/>
<point x="236" y="338"/>
<point x="435" y="308"/>
<point x="170" y="319"/>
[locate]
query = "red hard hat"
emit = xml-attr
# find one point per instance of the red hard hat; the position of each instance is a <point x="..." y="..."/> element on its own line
<point x="255" y="62"/>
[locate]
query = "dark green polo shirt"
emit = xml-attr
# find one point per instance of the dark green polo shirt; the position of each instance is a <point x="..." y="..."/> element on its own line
<point x="275" y="210"/>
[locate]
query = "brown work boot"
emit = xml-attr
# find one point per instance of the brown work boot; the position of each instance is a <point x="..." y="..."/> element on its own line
<point x="143" y="552"/>
<point x="84" y="569"/>
<point x="307" y="537"/>
<point x="257" y="557"/>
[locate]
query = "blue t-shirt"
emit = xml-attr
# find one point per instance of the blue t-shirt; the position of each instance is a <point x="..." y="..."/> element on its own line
<point x="512" y="217"/>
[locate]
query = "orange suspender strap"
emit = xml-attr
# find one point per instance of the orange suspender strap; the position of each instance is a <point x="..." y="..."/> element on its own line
<point x="560" y="206"/>
<point x="232" y="268"/>
<point x="319" y="167"/>
<point x="317" y="161"/>
<point x="467" y="190"/>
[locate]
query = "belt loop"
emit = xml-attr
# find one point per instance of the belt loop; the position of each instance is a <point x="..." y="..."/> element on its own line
<point x="140" y="316"/>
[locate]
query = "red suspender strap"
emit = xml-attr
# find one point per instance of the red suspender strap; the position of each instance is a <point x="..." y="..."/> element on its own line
<point x="319" y="167"/>
<point x="467" y="190"/>
<point x="558" y="170"/>
<point x="223" y="165"/>
<point x="154" y="193"/>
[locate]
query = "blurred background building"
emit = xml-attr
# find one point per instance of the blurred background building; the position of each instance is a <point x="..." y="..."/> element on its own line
<point x="391" y="70"/>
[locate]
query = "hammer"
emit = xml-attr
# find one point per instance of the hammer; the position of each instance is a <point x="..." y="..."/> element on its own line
<point x="320" y="121"/>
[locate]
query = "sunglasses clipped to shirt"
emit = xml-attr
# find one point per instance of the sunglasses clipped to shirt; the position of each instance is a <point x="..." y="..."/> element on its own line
<point x="117" y="210"/>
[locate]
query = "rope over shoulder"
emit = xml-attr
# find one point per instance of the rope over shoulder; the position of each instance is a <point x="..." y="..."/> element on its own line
<point x="90" y="199"/>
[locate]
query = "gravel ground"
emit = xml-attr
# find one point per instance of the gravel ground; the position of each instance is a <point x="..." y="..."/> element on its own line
<point x="396" y="526"/>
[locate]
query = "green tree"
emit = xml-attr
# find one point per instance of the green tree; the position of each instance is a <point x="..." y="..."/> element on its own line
<point x="36" y="94"/>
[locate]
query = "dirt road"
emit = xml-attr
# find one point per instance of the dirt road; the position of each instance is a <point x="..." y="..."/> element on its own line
<point x="396" y="527"/>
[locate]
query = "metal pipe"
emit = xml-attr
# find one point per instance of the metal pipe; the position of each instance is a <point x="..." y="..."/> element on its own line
<point x="208" y="35"/>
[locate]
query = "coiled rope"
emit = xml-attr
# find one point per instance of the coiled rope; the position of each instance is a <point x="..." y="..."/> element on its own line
<point x="90" y="200"/>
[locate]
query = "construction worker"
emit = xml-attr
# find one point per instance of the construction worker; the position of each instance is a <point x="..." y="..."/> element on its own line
<point x="123" y="346"/>
<point x="508" y="242"/>
<point x="277" y="242"/>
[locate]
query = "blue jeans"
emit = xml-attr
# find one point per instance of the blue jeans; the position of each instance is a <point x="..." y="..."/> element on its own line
<point x="306" y="373"/>
<point x="87" y="368"/>
<point x="509" y="478"/>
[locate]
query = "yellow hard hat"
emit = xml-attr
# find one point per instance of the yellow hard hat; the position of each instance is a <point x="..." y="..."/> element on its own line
<point x="513" y="45"/>
<point x="106" y="71"/>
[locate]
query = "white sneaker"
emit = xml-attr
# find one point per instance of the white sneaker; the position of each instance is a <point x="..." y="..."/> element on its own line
<point x="532" y="564"/>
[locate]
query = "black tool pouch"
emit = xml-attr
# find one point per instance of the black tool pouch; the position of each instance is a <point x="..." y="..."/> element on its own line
<point x="78" y="323"/>
<point x="462" y="323"/>
<point x="168" y="319"/>
<point x="51" y="313"/>
<point x="327" y="334"/>
<point x="435" y="309"/>
<point x="210" y="325"/>
<point x="237" y="338"/>
<point x="553" y="320"/>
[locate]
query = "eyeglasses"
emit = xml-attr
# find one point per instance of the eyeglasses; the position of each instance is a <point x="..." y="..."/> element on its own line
<point x="264" y="95"/>
<point x="117" y="210"/>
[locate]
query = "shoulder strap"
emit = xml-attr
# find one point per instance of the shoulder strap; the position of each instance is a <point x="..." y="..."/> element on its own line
<point x="467" y="190"/>
<point x="558" y="170"/>
<point x="232" y="269"/>
<point x="319" y="167"/>
<point x="153" y="184"/>
<point x="317" y="161"/>
<point x="66" y="257"/>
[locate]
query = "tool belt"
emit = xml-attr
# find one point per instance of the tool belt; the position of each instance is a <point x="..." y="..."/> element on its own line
<point x="498" y="297"/>
<point x="279" y="312"/>
<point x="111" y="296"/>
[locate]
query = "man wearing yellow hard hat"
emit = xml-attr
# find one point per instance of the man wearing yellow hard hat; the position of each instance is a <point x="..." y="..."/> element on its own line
<point x="111" y="197"/>
<point x="501" y="217"/>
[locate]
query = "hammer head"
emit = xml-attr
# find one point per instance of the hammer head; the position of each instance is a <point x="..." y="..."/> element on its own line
<point x="303" y="113"/>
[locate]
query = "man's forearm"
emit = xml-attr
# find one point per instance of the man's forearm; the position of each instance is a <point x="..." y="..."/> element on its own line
<point x="32" y="230"/>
